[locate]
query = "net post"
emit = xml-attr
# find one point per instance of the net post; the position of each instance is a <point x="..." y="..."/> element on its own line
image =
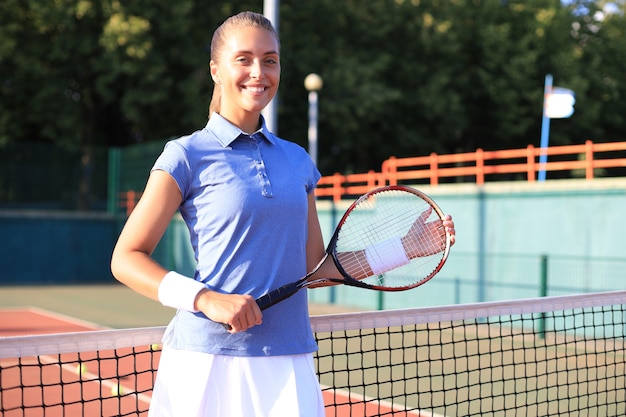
<point x="113" y="181"/>
<point x="543" y="292"/>
<point x="543" y="286"/>
<point x="381" y="300"/>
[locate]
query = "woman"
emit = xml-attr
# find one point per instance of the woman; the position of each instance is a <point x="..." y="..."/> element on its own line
<point x="247" y="198"/>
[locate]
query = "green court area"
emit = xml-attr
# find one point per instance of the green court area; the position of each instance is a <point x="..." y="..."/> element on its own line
<point x="112" y="305"/>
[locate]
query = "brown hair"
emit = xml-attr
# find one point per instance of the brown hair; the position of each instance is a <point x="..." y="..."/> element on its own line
<point x="243" y="19"/>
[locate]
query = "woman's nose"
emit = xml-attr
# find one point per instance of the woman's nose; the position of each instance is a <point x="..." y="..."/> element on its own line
<point x="256" y="70"/>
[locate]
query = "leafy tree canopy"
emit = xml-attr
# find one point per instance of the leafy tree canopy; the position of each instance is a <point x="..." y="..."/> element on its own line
<point x="401" y="77"/>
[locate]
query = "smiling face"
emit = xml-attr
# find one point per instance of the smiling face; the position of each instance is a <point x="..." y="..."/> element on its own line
<point x="246" y="69"/>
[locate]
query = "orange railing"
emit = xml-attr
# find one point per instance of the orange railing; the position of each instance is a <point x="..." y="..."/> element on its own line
<point x="128" y="200"/>
<point x="478" y="165"/>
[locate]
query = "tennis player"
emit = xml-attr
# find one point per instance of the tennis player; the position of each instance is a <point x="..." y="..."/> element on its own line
<point x="247" y="199"/>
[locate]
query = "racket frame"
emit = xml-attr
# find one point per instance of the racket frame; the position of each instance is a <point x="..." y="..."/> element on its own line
<point x="353" y="282"/>
<point x="288" y="290"/>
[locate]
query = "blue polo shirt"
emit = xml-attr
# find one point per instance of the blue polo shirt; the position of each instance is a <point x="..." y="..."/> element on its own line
<point x="245" y="205"/>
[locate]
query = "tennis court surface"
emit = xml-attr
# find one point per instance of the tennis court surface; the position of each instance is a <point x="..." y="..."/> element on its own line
<point x="537" y="357"/>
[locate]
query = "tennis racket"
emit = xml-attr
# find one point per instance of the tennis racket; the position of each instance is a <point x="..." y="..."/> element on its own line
<point x="390" y="239"/>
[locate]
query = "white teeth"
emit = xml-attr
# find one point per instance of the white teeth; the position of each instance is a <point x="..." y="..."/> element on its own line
<point x="256" y="89"/>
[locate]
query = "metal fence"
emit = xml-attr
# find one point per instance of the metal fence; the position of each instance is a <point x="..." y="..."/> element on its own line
<point x="44" y="176"/>
<point x="51" y="177"/>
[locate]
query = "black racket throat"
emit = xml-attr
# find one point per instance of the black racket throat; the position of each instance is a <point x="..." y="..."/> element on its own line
<point x="290" y="289"/>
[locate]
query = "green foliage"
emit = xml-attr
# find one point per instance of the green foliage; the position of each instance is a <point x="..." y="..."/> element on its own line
<point x="401" y="77"/>
<point x="413" y="77"/>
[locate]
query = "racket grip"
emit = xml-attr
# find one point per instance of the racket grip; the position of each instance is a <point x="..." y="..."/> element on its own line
<point x="277" y="295"/>
<point x="274" y="297"/>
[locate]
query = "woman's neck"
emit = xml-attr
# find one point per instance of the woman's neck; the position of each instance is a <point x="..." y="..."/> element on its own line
<point x="248" y="122"/>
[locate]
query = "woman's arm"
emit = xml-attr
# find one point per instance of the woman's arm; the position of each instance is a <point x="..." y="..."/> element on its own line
<point x="133" y="265"/>
<point x="315" y="248"/>
<point x="131" y="262"/>
<point x="315" y="241"/>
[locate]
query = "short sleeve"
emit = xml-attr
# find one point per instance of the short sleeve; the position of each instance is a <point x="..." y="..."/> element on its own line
<point x="314" y="179"/>
<point x="175" y="162"/>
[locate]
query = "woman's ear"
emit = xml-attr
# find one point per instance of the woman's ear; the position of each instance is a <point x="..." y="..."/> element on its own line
<point x="213" y="70"/>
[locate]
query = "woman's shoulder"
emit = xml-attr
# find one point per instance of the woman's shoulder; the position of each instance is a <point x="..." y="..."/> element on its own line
<point x="289" y="145"/>
<point x="193" y="142"/>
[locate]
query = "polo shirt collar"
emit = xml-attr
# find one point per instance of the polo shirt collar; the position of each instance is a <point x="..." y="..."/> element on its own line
<point x="225" y="132"/>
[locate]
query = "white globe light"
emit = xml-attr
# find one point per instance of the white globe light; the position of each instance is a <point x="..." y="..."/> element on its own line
<point x="313" y="82"/>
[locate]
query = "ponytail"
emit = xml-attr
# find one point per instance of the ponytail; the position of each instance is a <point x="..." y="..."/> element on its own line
<point x="214" y="107"/>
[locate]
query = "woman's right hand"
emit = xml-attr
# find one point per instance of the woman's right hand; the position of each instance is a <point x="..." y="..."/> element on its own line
<point x="237" y="312"/>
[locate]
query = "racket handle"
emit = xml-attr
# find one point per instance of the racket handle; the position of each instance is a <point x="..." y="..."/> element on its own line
<point x="274" y="297"/>
<point x="279" y="294"/>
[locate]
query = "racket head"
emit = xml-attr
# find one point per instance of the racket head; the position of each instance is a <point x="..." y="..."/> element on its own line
<point x="394" y="225"/>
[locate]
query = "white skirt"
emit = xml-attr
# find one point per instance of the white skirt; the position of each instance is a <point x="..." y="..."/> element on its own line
<point x="194" y="384"/>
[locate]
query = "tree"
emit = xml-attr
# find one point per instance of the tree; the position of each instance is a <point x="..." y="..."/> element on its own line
<point x="81" y="74"/>
<point x="400" y="77"/>
<point x="598" y="34"/>
<point x="410" y="78"/>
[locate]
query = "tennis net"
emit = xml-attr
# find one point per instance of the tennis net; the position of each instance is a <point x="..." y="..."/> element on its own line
<point x="535" y="357"/>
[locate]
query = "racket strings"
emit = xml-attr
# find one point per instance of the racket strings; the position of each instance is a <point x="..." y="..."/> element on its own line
<point x="354" y="264"/>
<point x="389" y="217"/>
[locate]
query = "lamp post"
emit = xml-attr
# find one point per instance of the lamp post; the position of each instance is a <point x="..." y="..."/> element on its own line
<point x="313" y="83"/>
<point x="270" y="112"/>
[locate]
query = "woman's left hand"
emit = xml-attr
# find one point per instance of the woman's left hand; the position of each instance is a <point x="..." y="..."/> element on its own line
<point x="429" y="236"/>
<point x="448" y="224"/>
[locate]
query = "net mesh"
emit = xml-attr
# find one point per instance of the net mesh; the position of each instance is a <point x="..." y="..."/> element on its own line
<point x="99" y="373"/>
<point x="547" y="356"/>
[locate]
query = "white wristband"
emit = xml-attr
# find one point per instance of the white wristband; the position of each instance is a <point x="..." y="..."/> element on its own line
<point x="179" y="291"/>
<point x="386" y="255"/>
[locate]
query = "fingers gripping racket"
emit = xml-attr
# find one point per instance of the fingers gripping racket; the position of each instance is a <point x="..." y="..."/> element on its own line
<point x="390" y="239"/>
